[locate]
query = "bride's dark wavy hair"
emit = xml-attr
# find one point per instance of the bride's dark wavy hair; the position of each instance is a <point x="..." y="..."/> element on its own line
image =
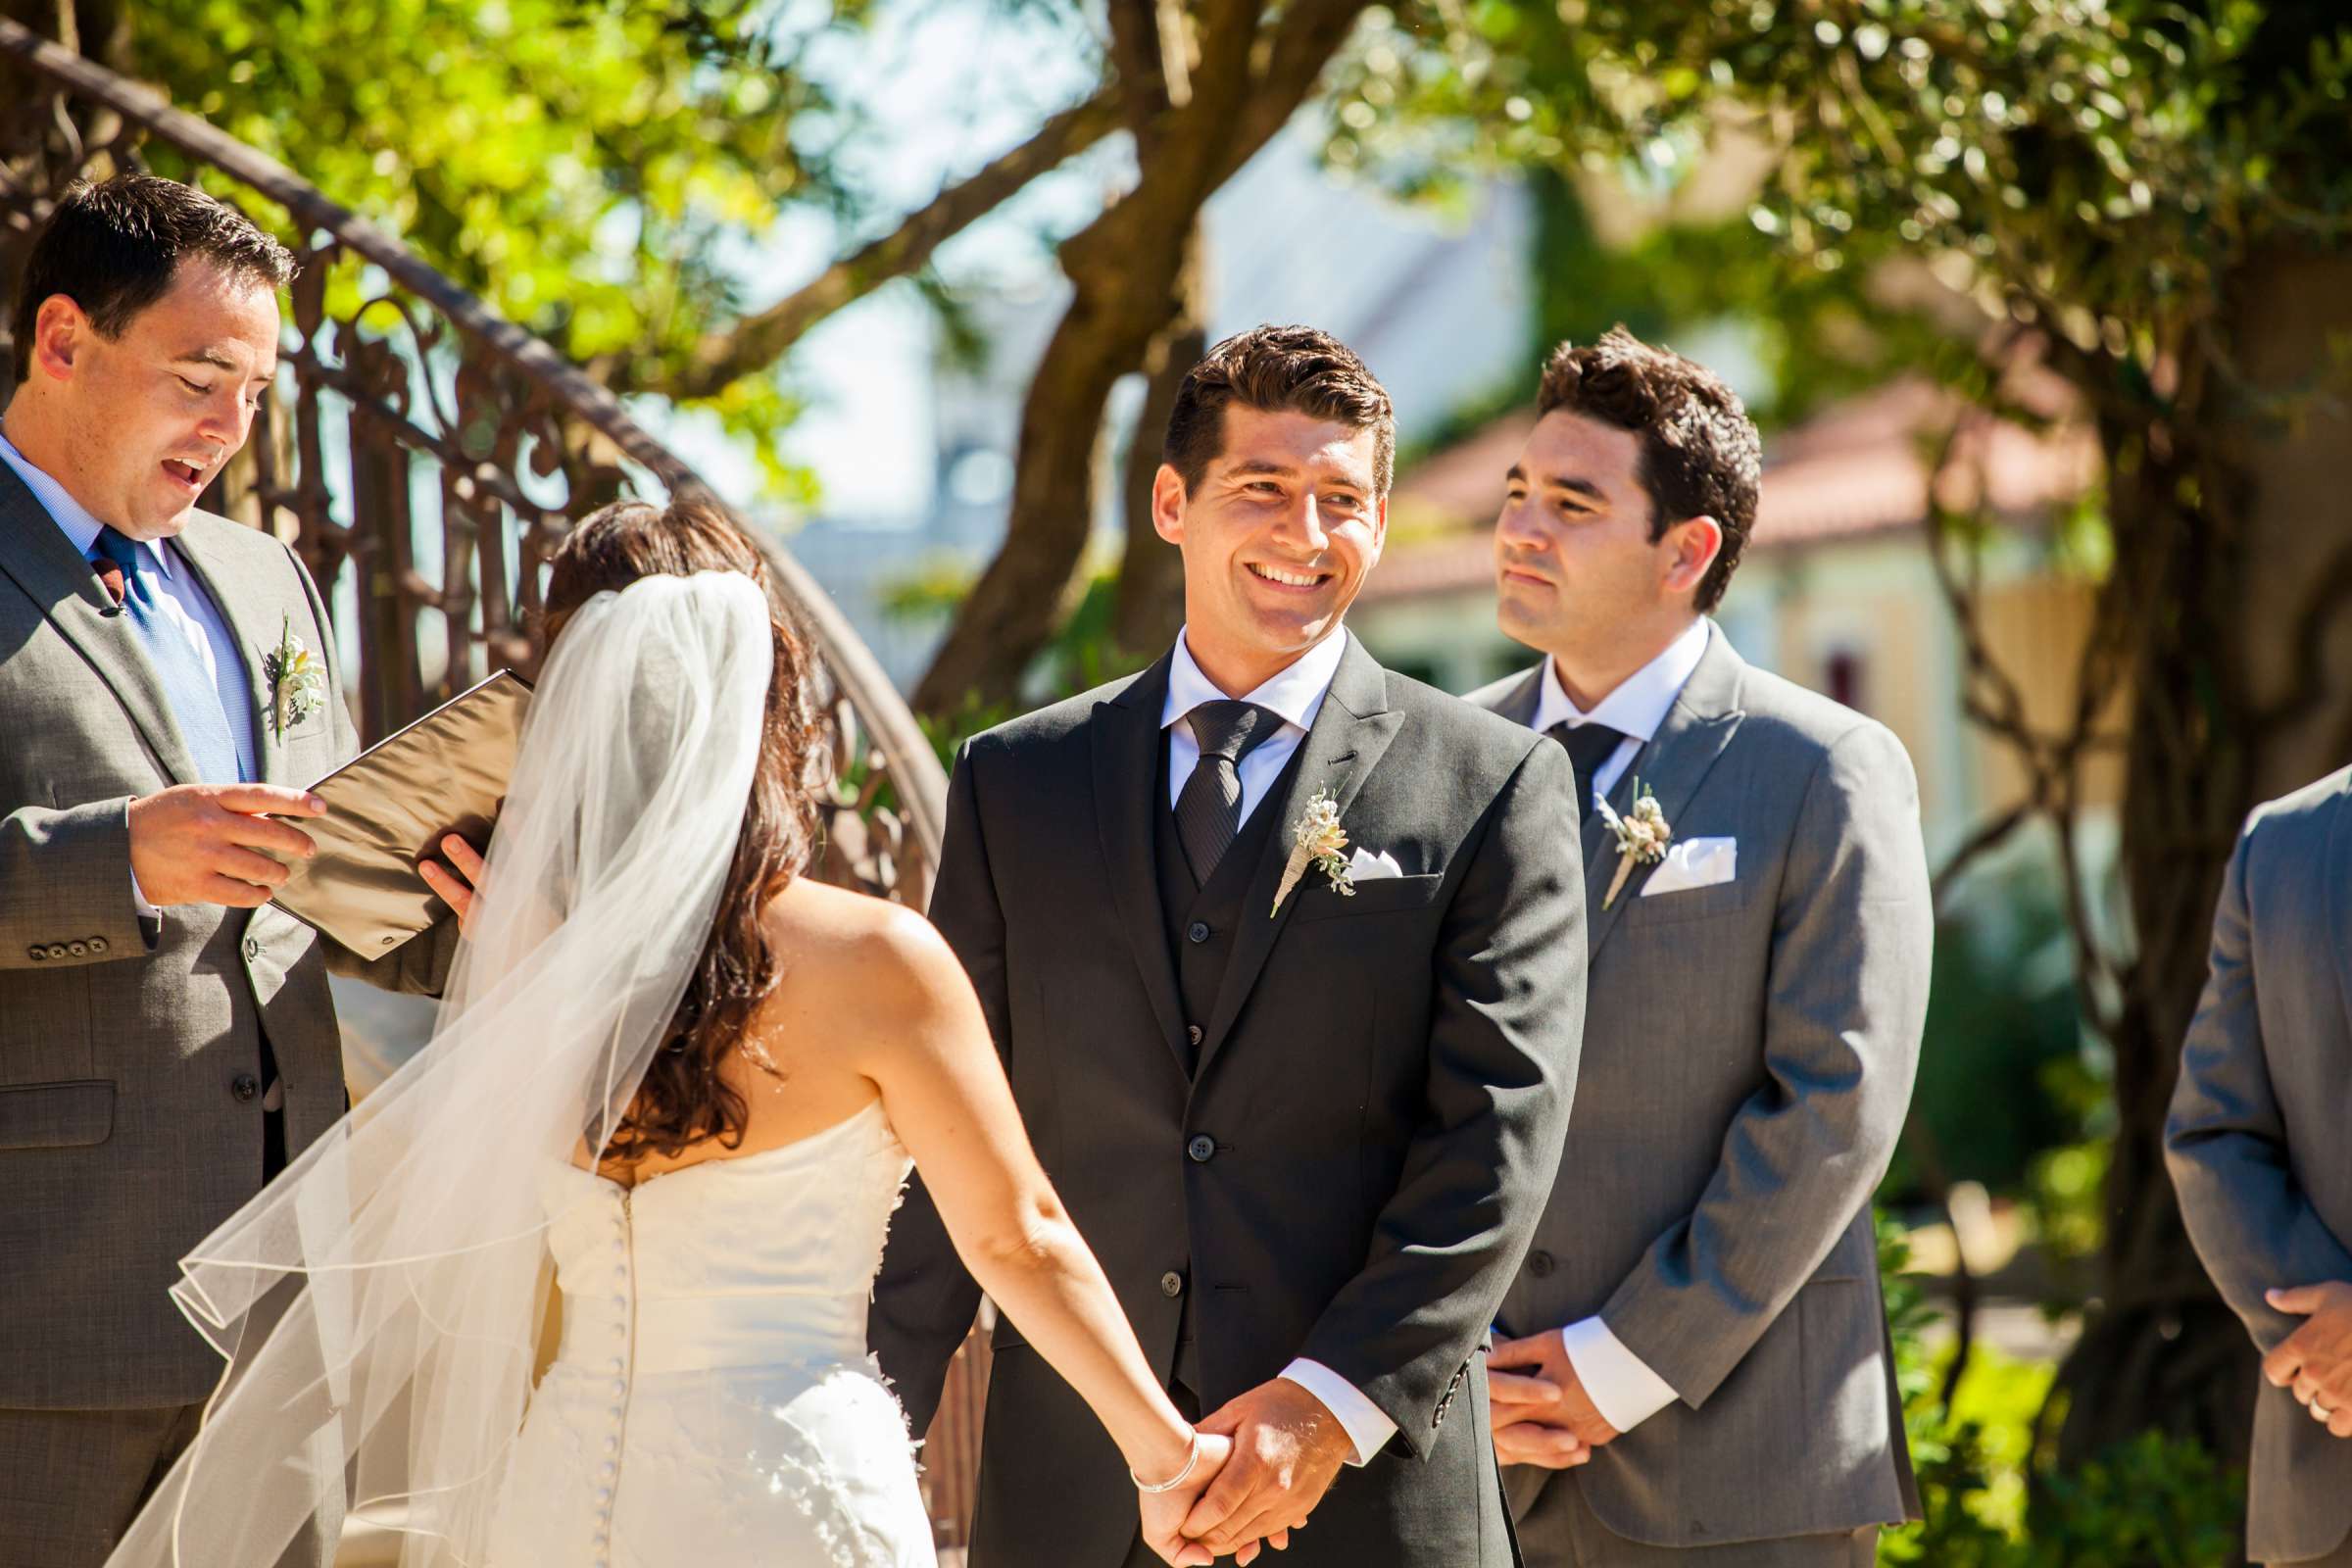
<point x="685" y="1098"/>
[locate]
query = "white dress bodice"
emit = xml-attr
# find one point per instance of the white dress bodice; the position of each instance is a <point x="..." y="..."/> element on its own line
<point x="711" y="1401"/>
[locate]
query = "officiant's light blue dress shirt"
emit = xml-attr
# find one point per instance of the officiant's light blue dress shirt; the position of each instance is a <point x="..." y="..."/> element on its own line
<point x="183" y="601"/>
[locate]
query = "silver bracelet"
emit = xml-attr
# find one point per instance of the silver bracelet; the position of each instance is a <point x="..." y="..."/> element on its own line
<point x="1191" y="1458"/>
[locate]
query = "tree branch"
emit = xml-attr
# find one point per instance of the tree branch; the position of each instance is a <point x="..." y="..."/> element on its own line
<point x="759" y="340"/>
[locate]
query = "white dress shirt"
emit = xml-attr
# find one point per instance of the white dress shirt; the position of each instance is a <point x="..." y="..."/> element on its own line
<point x="1635" y="710"/>
<point x="1296" y="695"/>
<point x="1623" y="1387"/>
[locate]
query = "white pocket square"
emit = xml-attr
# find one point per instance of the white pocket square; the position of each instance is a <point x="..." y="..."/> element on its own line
<point x="1365" y="866"/>
<point x="1695" y="864"/>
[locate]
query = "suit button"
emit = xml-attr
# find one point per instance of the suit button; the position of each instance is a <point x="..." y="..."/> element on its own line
<point x="1202" y="1149"/>
<point x="57" y="949"/>
<point x="79" y="948"/>
<point x="244" y="1086"/>
<point x="1192" y="1031"/>
<point x="1539" y="1262"/>
<point x="1198" y="931"/>
<point x="1171" y="1285"/>
<point x="253" y="948"/>
<point x="97" y="944"/>
<point x="36" y="952"/>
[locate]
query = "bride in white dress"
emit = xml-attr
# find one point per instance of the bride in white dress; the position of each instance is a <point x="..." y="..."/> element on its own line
<point x="686" y="1083"/>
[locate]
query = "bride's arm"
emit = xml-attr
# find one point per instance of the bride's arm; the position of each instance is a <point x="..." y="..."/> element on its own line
<point x="922" y="1041"/>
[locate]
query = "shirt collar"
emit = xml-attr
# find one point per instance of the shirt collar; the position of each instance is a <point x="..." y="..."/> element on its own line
<point x="1295" y="694"/>
<point x="73" y="518"/>
<point x="1639" y="704"/>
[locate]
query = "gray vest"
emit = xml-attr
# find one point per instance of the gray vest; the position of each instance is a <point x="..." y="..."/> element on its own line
<point x="1202" y="922"/>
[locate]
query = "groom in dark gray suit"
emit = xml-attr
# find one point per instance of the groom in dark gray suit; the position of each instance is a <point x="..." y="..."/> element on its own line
<point x="1701" y="1375"/>
<point x="1305" y="1120"/>
<point x="166" y="1044"/>
<point x="2256" y="1146"/>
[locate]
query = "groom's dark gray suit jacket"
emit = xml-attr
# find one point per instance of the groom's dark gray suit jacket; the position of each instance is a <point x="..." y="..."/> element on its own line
<point x="131" y="1121"/>
<point x="1323" y="1131"/>
<point x="1749" y="1052"/>
<point x="2256" y="1136"/>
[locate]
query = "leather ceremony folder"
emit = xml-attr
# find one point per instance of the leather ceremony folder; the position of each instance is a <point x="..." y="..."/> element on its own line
<point x="388" y="808"/>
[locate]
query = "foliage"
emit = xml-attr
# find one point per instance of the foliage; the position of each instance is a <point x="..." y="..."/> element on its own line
<point x="2151" y="1502"/>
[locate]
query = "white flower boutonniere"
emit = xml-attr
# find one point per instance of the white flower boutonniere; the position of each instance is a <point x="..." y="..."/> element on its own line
<point x="1642" y="836"/>
<point x="1317" y="840"/>
<point x="297" y="680"/>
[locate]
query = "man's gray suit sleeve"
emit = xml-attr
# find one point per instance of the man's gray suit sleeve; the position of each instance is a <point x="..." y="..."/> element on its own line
<point x="1507" y="1026"/>
<point x="65" y="878"/>
<point x="2226" y="1142"/>
<point x="1845" y="999"/>
<point x="925" y="1298"/>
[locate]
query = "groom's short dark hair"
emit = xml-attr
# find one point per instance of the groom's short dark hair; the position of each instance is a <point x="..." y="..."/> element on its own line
<point x="1277" y="369"/>
<point x="1701" y="453"/>
<point x="112" y="247"/>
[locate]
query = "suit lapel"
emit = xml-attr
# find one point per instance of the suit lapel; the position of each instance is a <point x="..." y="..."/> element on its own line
<point x="1126" y="755"/>
<point x="2339" y="893"/>
<point x="1351" y="731"/>
<point x="1519" y="704"/>
<point x="247" y="610"/>
<point x="35" y="553"/>
<point x="1695" y="730"/>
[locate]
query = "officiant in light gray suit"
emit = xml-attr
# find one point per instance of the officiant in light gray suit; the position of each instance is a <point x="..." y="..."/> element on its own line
<point x="2256" y="1146"/>
<point x="165" y="1042"/>
<point x="1698" y="1371"/>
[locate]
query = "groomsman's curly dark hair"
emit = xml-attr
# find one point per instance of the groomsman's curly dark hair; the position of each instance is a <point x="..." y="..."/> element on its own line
<point x="113" y="247"/>
<point x="1701" y="453"/>
<point x="685" y="1098"/>
<point x="1277" y="369"/>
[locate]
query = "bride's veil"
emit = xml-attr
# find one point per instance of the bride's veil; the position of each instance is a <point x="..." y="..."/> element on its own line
<point x="379" y="1304"/>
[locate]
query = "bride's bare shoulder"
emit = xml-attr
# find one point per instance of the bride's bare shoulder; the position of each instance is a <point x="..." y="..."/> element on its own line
<point x="838" y="944"/>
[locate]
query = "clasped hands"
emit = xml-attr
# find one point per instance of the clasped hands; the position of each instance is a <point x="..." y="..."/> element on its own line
<point x="1266" y="1459"/>
<point x="2315" y="1361"/>
<point x="1540" y="1413"/>
<point x="224" y="844"/>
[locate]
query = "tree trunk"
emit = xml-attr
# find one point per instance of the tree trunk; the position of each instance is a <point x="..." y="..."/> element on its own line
<point x="1150" y="595"/>
<point x="2233" y="575"/>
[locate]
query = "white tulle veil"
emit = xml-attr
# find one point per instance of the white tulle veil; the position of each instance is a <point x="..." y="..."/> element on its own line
<point x="380" y="1303"/>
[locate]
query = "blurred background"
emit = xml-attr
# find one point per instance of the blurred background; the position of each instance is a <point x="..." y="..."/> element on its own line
<point x="2045" y="306"/>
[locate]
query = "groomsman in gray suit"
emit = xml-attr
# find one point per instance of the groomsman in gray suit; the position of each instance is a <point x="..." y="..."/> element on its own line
<point x="2256" y="1145"/>
<point x="165" y="1042"/>
<point x="1700" y="1371"/>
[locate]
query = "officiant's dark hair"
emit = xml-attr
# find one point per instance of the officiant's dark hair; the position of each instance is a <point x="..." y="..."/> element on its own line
<point x="1277" y="369"/>
<point x="112" y="247"/>
<point x="685" y="1099"/>
<point x="1701" y="453"/>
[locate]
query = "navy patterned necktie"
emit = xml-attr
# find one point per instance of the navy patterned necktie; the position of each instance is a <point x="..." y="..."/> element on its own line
<point x="1590" y="747"/>
<point x="194" y="700"/>
<point x="1208" y="808"/>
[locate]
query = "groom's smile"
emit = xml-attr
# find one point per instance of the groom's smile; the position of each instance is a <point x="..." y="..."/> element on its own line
<point x="1278" y="535"/>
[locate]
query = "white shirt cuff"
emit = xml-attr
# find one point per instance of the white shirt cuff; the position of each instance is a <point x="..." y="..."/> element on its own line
<point x="1620" y="1384"/>
<point x="1367" y="1426"/>
<point x="138" y="902"/>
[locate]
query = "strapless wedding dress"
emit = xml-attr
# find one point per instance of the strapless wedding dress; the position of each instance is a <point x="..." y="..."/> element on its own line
<point x="712" y="1404"/>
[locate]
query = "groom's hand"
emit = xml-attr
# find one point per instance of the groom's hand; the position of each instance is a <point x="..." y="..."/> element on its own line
<point x="2316" y="1360"/>
<point x="1286" y="1449"/>
<point x="212" y="843"/>
<point x="1544" y="1390"/>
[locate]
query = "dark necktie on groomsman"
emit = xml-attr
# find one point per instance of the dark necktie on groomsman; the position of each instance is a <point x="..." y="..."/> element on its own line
<point x="194" y="700"/>
<point x="1208" y="808"/>
<point x="1590" y="747"/>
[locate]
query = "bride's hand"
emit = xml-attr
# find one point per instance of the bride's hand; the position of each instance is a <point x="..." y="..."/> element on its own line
<point x="1165" y="1512"/>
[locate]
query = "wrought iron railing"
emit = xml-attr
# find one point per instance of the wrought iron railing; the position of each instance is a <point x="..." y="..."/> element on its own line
<point x="423" y="456"/>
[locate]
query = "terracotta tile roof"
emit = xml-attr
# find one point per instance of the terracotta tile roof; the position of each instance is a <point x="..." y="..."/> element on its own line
<point x="1855" y="470"/>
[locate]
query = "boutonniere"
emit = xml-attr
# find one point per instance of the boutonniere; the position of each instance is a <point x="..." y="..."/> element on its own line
<point x="1642" y="836"/>
<point x="297" y="680"/>
<point x="1317" y="840"/>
